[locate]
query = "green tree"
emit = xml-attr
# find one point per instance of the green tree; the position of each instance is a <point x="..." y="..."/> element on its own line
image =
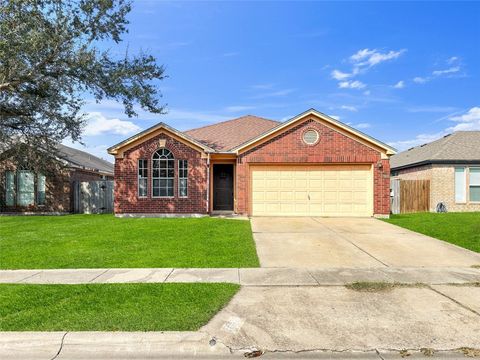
<point x="51" y="58"/>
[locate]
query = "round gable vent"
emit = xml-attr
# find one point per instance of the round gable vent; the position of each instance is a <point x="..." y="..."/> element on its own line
<point x="310" y="137"/>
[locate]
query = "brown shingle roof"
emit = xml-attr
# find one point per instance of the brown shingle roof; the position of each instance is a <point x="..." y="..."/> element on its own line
<point x="457" y="147"/>
<point x="228" y="134"/>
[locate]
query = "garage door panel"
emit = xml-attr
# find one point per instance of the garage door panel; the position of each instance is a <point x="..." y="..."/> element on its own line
<point x="271" y="183"/>
<point x="326" y="190"/>
<point x="301" y="195"/>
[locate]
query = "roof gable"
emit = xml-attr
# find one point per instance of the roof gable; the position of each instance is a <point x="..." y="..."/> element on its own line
<point x="329" y="121"/>
<point x="228" y="134"/>
<point x="461" y="146"/>
<point x="132" y="141"/>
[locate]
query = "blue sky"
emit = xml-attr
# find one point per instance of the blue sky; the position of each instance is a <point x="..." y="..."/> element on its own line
<point x="405" y="73"/>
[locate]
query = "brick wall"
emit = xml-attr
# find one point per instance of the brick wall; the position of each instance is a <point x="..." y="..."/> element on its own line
<point x="126" y="182"/>
<point x="333" y="147"/>
<point x="58" y="190"/>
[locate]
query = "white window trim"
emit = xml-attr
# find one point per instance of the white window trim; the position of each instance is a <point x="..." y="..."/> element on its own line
<point x="140" y="177"/>
<point x="179" y="178"/>
<point x="159" y="178"/>
<point x="470" y="185"/>
<point x="465" y="201"/>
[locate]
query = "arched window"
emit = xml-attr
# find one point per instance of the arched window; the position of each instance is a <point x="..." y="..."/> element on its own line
<point x="163" y="173"/>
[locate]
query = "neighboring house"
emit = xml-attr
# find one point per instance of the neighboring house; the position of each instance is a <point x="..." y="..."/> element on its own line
<point x="25" y="191"/>
<point x="452" y="164"/>
<point x="310" y="165"/>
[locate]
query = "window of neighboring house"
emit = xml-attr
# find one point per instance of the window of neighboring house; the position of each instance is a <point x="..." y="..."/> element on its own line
<point x="182" y="178"/>
<point x="474" y="184"/>
<point x="9" y="188"/>
<point x="142" y="177"/>
<point x="25" y="188"/>
<point x="460" y="185"/>
<point x="163" y="173"/>
<point x="41" y="189"/>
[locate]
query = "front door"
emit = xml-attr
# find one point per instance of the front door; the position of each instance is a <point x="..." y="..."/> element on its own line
<point x="223" y="187"/>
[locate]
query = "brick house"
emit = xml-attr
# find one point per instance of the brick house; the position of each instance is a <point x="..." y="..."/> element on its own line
<point x="452" y="164"/>
<point x="310" y="165"/>
<point x="24" y="191"/>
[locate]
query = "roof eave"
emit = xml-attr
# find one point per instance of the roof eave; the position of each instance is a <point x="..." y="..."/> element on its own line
<point x="432" y="162"/>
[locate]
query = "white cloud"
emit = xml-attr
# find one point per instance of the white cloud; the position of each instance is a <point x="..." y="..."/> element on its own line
<point x="339" y="75"/>
<point x="451" y="70"/>
<point x="362" y="126"/>
<point x="399" y="85"/>
<point x="362" y="60"/>
<point x="98" y="124"/>
<point x="452" y="60"/>
<point x="349" y="108"/>
<point x="367" y="57"/>
<point x="418" y="140"/>
<point x="467" y="121"/>
<point x="351" y="85"/>
<point x="336" y="117"/>
<point x="420" y="80"/>
<point x="367" y="92"/>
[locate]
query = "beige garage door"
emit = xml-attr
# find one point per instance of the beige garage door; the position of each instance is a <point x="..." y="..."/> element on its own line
<point x="330" y="190"/>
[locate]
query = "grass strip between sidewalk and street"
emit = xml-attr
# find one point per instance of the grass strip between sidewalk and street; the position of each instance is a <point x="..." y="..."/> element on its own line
<point x="111" y="307"/>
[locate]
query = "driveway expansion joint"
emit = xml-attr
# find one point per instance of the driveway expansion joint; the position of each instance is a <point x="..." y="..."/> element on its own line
<point x="351" y="242"/>
<point x="455" y="301"/>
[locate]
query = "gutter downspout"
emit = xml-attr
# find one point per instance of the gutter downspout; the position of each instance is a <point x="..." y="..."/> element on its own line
<point x="208" y="183"/>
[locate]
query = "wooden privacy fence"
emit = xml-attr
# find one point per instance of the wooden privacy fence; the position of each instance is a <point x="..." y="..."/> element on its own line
<point x="409" y="196"/>
<point x="93" y="197"/>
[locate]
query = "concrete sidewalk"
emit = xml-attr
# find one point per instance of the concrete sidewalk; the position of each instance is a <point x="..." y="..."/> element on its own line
<point x="246" y="276"/>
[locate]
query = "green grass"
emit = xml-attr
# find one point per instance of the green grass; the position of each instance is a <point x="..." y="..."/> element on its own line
<point x="111" y="307"/>
<point x="462" y="229"/>
<point x="103" y="241"/>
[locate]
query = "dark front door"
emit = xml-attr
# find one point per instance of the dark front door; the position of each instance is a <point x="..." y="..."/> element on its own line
<point x="223" y="187"/>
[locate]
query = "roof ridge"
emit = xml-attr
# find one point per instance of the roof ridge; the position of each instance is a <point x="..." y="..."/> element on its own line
<point x="86" y="153"/>
<point x="234" y="119"/>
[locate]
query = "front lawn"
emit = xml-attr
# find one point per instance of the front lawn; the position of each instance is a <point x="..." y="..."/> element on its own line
<point x="111" y="307"/>
<point x="462" y="229"/>
<point x="103" y="241"/>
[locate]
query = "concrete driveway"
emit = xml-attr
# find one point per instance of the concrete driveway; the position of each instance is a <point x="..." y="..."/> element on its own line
<point x="308" y="242"/>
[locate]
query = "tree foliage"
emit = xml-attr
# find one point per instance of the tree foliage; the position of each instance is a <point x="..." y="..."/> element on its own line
<point x="52" y="57"/>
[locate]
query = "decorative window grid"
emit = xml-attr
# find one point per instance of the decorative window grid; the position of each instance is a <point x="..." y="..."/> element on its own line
<point x="163" y="173"/>
<point x="182" y="178"/>
<point x="142" y="177"/>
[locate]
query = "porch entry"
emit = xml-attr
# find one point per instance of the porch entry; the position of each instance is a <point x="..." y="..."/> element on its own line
<point x="223" y="187"/>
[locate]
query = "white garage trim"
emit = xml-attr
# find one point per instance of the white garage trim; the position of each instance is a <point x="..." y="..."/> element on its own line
<point x="311" y="190"/>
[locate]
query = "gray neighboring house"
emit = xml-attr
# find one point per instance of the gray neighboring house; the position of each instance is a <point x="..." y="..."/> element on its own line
<point x="23" y="191"/>
<point x="452" y="164"/>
